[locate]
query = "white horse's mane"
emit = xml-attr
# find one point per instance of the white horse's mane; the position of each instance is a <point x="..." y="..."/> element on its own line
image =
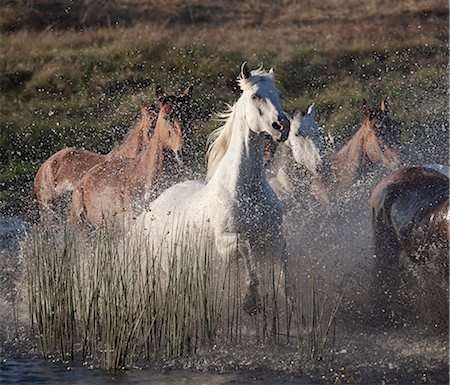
<point x="219" y="139"/>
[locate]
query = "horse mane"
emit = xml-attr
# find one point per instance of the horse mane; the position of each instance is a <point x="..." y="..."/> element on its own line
<point x="137" y="124"/>
<point x="219" y="140"/>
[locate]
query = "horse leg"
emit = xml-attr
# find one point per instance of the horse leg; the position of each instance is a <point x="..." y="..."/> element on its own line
<point x="229" y="244"/>
<point x="387" y="271"/>
<point x="286" y="278"/>
<point x="251" y="300"/>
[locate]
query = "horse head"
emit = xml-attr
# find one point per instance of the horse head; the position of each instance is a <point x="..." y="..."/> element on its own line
<point x="382" y="139"/>
<point x="169" y="123"/>
<point x="150" y="112"/>
<point x="263" y="103"/>
<point x="184" y="109"/>
<point x="306" y="141"/>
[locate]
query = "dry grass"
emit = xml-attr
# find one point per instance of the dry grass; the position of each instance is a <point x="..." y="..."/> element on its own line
<point x="70" y="88"/>
<point x="62" y="14"/>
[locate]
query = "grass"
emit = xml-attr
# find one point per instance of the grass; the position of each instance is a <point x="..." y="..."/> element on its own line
<point x="117" y="303"/>
<point x="83" y="87"/>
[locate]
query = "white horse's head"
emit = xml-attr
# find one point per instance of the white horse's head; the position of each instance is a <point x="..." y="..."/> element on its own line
<point x="262" y="102"/>
<point x="306" y="141"/>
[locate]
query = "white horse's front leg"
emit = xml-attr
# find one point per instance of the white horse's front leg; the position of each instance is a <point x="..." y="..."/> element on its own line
<point x="251" y="300"/>
<point x="227" y="244"/>
<point x="235" y="244"/>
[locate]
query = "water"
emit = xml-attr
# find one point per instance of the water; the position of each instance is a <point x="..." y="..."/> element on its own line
<point x="359" y="354"/>
<point x="10" y="229"/>
<point x="42" y="372"/>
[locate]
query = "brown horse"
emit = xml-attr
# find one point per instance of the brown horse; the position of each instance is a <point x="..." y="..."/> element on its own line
<point x="411" y="243"/>
<point x="120" y="185"/>
<point x="59" y="174"/>
<point x="376" y="142"/>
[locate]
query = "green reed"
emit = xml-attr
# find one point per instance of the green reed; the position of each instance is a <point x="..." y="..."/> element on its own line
<point x="118" y="300"/>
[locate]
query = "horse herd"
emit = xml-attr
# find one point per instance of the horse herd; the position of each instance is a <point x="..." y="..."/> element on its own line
<point x="250" y="175"/>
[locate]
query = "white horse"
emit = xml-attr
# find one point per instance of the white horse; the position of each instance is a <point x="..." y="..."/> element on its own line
<point x="236" y="204"/>
<point x="301" y="158"/>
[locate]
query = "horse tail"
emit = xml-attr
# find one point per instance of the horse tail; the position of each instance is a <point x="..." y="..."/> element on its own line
<point x="78" y="208"/>
<point x="387" y="271"/>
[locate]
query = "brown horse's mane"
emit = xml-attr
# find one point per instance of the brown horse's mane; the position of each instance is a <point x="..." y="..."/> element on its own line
<point x="365" y="142"/>
<point x="138" y="136"/>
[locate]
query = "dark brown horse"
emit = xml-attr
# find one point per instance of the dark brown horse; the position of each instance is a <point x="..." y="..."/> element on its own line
<point x="411" y="240"/>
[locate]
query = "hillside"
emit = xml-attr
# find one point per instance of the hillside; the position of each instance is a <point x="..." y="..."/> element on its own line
<point x="73" y="73"/>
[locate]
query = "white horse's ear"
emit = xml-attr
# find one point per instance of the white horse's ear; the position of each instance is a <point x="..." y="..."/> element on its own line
<point x="312" y="110"/>
<point x="245" y="71"/>
<point x="272" y="73"/>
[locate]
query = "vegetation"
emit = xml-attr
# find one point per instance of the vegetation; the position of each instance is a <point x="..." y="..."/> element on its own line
<point x="73" y="73"/>
<point x="116" y="303"/>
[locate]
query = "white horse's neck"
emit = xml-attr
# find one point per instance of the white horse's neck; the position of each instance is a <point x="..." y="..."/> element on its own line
<point x="242" y="167"/>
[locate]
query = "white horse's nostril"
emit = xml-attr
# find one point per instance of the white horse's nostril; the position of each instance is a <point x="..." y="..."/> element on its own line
<point x="277" y="126"/>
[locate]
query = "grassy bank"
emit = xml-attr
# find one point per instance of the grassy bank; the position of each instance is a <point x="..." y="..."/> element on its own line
<point x="82" y="86"/>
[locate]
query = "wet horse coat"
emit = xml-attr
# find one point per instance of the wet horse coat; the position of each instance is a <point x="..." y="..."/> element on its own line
<point x="119" y="186"/>
<point x="303" y="152"/>
<point x="376" y="141"/>
<point x="60" y="174"/>
<point x="235" y="207"/>
<point x="411" y="228"/>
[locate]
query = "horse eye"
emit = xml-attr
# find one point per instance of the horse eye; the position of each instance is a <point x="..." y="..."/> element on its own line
<point x="254" y="96"/>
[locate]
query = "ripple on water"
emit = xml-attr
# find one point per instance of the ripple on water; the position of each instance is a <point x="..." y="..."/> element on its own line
<point x="42" y="372"/>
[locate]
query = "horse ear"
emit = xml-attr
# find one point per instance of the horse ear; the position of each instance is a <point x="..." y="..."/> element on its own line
<point x="188" y="92"/>
<point x="245" y="71"/>
<point x="160" y="93"/>
<point x="271" y="73"/>
<point x="384" y="105"/>
<point x="312" y="110"/>
<point x="366" y="110"/>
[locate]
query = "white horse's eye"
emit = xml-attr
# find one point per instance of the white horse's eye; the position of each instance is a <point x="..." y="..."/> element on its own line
<point x="254" y="96"/>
